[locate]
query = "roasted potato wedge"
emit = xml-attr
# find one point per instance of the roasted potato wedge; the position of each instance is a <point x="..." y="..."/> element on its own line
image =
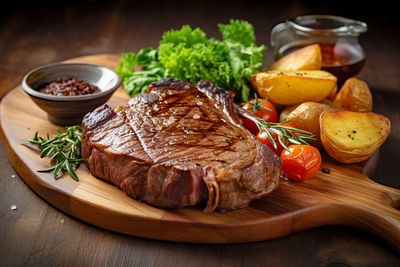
<point x="332" y="94"/>
<point x="306" y="58"/>
<point x="354" y="96"/>
<point x="294" y="87"/>
<point x="285" y="113"/>
<point x="351" y="137"/>
<point x="331" y="104"/>
<point x="306" y="117"/>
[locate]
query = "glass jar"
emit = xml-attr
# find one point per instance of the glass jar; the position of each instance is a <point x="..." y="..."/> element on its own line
<point x="342" y="54"/>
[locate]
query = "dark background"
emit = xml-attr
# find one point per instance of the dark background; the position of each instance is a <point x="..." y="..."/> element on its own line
<point x="33" y="33"/>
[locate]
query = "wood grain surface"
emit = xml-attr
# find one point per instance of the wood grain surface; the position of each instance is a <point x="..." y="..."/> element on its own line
<point x="34" y="33"/>
<point x="341" y="197"/>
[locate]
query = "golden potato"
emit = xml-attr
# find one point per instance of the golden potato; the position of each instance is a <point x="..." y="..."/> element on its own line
<point x="331" y="104"/>
<point x="285" y="113"/>
<point x="294" y="87"/>
<point x="332" y="94"/>
<point x="354" y="96"/>
<point x="306" y="117"/>
<point x="306" y="58"/>
<point x="351" y="137"/>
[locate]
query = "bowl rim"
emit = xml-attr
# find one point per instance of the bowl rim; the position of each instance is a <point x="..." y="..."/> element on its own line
<point x="34" y="93"/>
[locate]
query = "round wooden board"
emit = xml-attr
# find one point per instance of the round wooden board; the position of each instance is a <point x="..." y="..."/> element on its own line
<point x="344" y="196"/>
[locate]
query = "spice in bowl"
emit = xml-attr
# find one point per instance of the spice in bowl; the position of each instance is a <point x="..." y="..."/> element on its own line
<point x="69" y="106"/>
<point x="67" y="86"/>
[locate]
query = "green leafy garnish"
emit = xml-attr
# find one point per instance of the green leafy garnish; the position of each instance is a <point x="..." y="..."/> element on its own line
<point x="64" y="149"/>
<point x="137" y="82"/>
<point x="188" y="54"/>
<point x="238" y="32"/>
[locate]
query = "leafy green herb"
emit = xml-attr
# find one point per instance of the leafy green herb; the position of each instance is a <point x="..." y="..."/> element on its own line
<point x="238" y="32"/>
<point x="137" y="82"/>
<point x="64" y="149"/>
<point x="188" y="54"/>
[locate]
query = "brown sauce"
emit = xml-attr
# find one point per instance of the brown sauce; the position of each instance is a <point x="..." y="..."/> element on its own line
<point x="66" y="86"/>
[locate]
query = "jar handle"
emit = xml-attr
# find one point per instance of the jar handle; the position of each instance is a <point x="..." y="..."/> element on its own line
<point x="276" y="30"/>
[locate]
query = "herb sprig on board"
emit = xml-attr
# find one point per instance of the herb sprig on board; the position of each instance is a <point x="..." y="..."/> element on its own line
<point x="63" y="149"/>
<point x="286" y="135"/>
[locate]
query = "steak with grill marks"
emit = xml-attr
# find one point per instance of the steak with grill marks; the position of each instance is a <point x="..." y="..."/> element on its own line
<point x="179" y="145"/>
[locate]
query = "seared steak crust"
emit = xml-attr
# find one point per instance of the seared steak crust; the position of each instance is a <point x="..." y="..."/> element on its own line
<point x="177" y="146"/>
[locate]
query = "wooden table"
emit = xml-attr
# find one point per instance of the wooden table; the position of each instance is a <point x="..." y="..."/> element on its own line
<point x="36" y="234"/>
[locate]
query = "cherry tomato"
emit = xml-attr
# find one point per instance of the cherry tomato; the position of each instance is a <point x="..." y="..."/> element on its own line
<point x="262" y="109"/>
<point x="263" y="138"/>
<point x="301" y="162"/>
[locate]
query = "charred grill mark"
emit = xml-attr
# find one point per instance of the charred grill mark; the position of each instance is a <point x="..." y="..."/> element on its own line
<point x="168" y="143"/>
<point x="186" y="130"/>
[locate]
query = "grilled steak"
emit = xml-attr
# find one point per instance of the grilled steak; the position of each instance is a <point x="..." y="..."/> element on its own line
<point x="178" y="146"/>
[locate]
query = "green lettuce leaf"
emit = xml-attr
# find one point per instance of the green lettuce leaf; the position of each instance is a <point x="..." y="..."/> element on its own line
<point x="188" y="54"/>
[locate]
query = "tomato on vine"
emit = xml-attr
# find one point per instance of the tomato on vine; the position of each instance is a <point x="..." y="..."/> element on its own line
<point x="259" y="108"/>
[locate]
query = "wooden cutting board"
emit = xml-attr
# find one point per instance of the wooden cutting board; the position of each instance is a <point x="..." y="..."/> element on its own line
<point x="342" y="197"/>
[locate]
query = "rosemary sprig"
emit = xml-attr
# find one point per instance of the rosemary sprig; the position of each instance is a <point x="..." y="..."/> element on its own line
<point x="64" y="149"/>
<point x="286" y="135"/>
